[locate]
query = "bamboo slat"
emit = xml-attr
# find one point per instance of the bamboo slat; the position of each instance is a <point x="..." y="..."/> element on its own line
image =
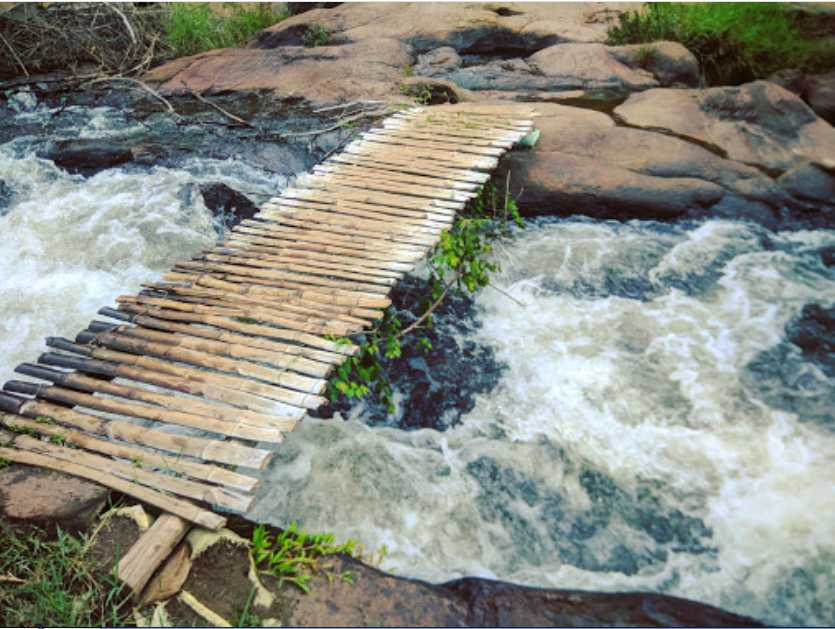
<point x="181" y="445"/>
<point x="238" y="341"/>
<point x="28" y="454"/>
<point x="140" y="456"/>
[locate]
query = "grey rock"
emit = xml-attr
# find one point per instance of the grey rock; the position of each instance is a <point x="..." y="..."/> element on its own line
<point x="810" y="182"/>
<point x="438" y="62"/>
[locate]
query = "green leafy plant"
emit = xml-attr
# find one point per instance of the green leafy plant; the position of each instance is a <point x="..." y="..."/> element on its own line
<point x="51" y="582"/>
<point x="316" y="35"/>
<point x="191" y="28"/>
<point x="295" y="557"/>
<point x="734" y="42"/>
<point x="4" y="463"/>
<point x="460" y="262"/>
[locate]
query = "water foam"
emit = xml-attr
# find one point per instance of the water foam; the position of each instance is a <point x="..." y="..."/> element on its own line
<point x="621" y="448"/>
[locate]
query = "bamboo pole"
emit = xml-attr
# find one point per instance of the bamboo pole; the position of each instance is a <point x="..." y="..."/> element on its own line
<point x="212" y="494"/>
<point x="396" y="163"/>
<point x="438" y="217"/>
<point x="69" y="397"/>
<point x="141" y="456"/>
<point x="90" y="471"/>
<point x="170" y="402"/>
<point x="305" y="360"/>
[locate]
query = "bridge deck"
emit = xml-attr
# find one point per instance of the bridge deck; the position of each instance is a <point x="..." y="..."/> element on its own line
<point x="238" y="341"/>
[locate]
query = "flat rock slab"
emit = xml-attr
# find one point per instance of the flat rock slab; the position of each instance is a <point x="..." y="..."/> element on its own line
<point x="41" y="497"/>
<point x="758" y="123"/>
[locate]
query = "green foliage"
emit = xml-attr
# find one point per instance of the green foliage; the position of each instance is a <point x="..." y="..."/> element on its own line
<point x="51" y="582"/>
<point x="734" y="42"/>
<point x="248" y="618"/>
<point x="316" y="35"/>
<point x="459" y="262"/>
<point x="4" y="463"/>
<point x="294" y="556"/>
<point x="191" y="28"/>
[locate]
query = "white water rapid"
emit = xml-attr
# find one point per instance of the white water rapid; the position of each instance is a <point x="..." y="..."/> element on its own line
<point x="627" y="445"/>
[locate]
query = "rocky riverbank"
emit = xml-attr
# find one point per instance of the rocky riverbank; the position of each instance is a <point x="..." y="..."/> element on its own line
<point x="626" y="133"/>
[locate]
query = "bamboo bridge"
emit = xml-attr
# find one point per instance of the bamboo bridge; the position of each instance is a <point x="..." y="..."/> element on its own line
<point x="238" y="341"/>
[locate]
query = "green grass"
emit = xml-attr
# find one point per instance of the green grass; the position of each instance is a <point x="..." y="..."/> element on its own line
<point x="191" y="28"/>
<point x="734" y="42"/>
<point x="50" y="582"/>
<point x="316" y="35"/>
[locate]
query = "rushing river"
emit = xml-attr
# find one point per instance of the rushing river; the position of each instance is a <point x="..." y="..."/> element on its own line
<point x="652" y="429"/>
<point x="648" y="424"/>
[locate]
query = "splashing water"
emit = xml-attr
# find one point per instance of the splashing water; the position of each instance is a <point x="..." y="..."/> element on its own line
<point x="626" y="446"/>
<point x="71" y="245"/>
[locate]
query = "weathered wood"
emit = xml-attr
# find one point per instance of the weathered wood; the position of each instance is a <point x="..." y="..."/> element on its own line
<point x="28" y="456"/>
<point x="402" y="219"/>
<point x="171" y="402"/>
<point x="184" y="445"/>
<point x="390" y="175"/>
<point x="140" y="456"/>
<point x="327" y="180"/>
<point x="395" y="163"/>
<point x="70" y="397"/>
<point x="152" y="548"/>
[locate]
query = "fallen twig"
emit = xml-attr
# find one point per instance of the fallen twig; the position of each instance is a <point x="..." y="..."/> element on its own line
<point x="14" y="54"/>
<point x="144" y="86"/>
<point x="231" y="116"/>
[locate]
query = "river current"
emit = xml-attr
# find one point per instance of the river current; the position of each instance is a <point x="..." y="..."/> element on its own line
<point x="652" y="425"/>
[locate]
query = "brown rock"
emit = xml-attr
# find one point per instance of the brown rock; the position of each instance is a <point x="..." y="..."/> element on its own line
<point x="40" y="497"/>
<point x="757" y="123"/>
<point x="470" y="28"/>
<point x="370" y="69"/>
<point x="669" y="62"/>
<point x="589" y="66"/>
<point x="583" y="162"/>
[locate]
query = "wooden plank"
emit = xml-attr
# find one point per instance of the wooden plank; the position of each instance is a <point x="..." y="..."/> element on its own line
<point x="391" y="175"/>
<point x="380" y="198"/>
<point x="310" y="243"/>
<point x="418" y="218"/>
<point x="425" y="234"/>
<point x="70" y="397"/>
<point x="320" y="179"/>
<point x="386" y="246"/>
<point x="290" y="300"/>
<point x="211" y="494"/>
<point x="181" y="508"/>
<point x="148" y="552"/>
<point x="397" y="163"/>
<point x="411" y="132"/>
<point x="171" y="402"/>
<point x="140" y="456"/>
<point x="439" y="144"/>
<point x="182" y="445"/>
<point x="277" y="249"/>
<point x="242" y="371"/>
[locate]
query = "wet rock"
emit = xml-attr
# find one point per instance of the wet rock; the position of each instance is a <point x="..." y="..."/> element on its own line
<point x="758" y="123"/>
<point x="227" y="203"/>
<point x="468" y="28"/>
<point x="496" y="604"/>
<point x="669" y="62"/>
<point x="814" y="333"/>
<point x="6" y="196"/>
<point x="809" y="181"/>
<point x="41" y="497"/>
<point x="90" y="156"/>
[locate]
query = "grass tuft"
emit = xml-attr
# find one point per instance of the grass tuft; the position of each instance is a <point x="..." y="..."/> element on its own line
<point x="191" y="28"/>
<point x="316" y="35"/>
<point x="50" y="582"/>
<point x="734" y="42"/>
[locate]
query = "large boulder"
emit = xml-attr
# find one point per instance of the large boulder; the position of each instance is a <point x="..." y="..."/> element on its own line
<point x="369" y="69"/>
<point x="758" y="123"/>
<point x="818" y="90"/>
<point x="468" y="28"/>
<point x="591" y="67"/>
<point x="585" y="163"/>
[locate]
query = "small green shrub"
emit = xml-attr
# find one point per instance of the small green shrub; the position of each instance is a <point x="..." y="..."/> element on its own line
<point x="460" y="262"/>
<point x="734" y="42"/>
<point x="191" y="28"/>
<point x="294" y="556"/>
<point x="316" y="35"/>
